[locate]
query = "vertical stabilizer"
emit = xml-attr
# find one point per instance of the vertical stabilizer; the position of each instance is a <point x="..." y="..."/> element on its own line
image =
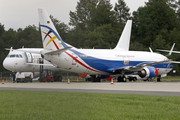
<point x="50" y="37"/>
<point x="124" y="40"/>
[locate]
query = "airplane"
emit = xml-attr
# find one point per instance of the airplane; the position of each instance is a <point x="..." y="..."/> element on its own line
<point x="19" y="61"/>
<point x="96" y="62"/>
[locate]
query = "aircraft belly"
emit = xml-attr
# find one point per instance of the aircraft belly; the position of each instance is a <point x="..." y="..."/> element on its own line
<point x="162" y="71"/>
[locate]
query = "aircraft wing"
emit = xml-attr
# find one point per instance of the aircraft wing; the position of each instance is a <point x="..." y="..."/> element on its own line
<point x="31" y="50"/>
<point x="139" y="66"/>
<point x="175" y="62"/>
<point x="41" y="64"/>
<point x="168" y="51"/>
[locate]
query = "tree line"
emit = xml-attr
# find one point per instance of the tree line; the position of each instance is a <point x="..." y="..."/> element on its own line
<point x="98" y="24"/>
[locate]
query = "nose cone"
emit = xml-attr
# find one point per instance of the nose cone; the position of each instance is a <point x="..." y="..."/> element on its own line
<point x="171" y="66"/>
<point x="6" y="64"/>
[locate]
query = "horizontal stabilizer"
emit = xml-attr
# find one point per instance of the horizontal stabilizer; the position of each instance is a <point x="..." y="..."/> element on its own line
<point x="56" y="52"/>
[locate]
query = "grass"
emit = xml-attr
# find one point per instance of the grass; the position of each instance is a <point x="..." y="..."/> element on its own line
<point x="47" y="105"/>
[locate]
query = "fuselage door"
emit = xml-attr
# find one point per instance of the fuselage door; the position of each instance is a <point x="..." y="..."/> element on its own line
<point x="29" y="57"/>
<point x="126" y="60"/>
<point x="74" y="62"/>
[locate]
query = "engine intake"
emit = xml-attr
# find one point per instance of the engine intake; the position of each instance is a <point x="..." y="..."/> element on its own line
<point x="148" y="72"/>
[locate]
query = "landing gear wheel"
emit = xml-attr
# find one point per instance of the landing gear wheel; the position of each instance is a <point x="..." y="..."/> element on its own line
<point x="159" y="79"/>
<point x="149" y="79"/>
<point x="134" y="79"/>
<point x="121" y="79"/>
<point x="95" y="79"/>
<point x="98" y="79"/>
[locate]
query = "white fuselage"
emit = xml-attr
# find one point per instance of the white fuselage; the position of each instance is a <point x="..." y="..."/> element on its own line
<point x="99" y="61"/>
<point x="16" y="61"/>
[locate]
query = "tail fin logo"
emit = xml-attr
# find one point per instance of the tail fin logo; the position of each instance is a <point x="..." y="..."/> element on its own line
<point x="57" y="41"/>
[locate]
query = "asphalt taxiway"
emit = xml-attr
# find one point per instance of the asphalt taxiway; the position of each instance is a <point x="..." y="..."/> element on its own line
<point x="143" y="88"/>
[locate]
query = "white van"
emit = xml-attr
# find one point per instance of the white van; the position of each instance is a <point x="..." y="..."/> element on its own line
<point x="24" y="77"/>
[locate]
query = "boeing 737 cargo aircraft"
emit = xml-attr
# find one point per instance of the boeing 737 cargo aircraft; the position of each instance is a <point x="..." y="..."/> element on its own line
<point x="97" y="62"/>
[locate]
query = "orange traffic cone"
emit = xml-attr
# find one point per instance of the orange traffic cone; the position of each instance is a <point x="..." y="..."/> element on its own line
<point x="112" y="81"/>
<point x="68" y="81"/>
<point x="77" y="80"/>
<point x="2" y="81"/>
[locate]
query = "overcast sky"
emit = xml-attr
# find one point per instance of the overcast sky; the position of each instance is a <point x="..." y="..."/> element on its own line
<point x="21" y="13"/>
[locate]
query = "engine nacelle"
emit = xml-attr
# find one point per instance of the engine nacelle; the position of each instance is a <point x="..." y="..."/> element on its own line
<point x="148" y="72"/>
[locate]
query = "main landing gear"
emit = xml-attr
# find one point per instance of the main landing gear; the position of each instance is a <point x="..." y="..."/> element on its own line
<point x="95" y="78"/>
<point x="159" y="79"/>
<point x="121" y="79"/>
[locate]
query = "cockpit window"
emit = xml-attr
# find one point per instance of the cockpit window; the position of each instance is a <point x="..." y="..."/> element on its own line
<point x="20" y="56"/>
<point x="12" y="56"/>
<point x="15" y="56"/>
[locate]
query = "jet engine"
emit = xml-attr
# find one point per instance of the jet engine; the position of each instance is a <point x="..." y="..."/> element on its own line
<point x="148" y="72"/>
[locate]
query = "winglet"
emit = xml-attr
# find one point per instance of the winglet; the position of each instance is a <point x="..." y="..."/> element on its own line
<point x="124" y="40"/>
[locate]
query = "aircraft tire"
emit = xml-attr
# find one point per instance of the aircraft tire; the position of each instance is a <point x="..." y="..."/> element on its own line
<point x="149" y="79"/>
<point x="93" y="78"/>
<point x="159" y="80"/>
<point x="121" y="79"/>
<point x="98" y="79"/>
<point x="134" y="79"/>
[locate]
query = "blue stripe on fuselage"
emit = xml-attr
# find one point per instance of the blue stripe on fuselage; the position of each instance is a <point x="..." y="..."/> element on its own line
<point x="109" y="65"/>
